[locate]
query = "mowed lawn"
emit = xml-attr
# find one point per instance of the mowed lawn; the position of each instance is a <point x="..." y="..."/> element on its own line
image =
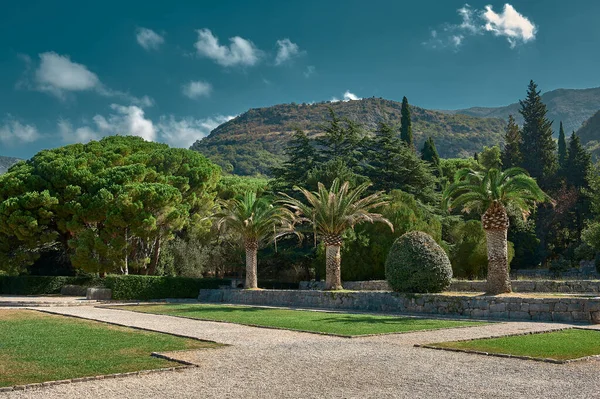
<point x="558" y="345"/>
<point x="322" y="322"/>
<point x="38" y="347"/>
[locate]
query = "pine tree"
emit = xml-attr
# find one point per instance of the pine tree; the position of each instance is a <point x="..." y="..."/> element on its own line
<point x="302" y="157"/>
<point x="406" y="134"/>
<point x="429" y="153"/>
<point x="511" y="153"/>
<point x="341" y="140"/>
<point x="562" y="147"/>
<point x="392" y="165"/>
<point x="577" y="164"/>
<point x="538" y="146"/>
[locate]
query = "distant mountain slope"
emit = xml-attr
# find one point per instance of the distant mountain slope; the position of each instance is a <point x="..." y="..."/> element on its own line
<point x="572" y="106"/>
<point x="590" y="134"/>
<point x="254" y="141"/>
<point x="7" y="162"/>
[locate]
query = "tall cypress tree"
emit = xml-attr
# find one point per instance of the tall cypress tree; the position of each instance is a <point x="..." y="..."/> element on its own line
<point x="577" y="164"/>
<point x="562" y="147"/>
<point x="538" y="145"/>
<point x="430" y="154"/>
<point x="406" y="134"/>
<point x="511" y="153"/>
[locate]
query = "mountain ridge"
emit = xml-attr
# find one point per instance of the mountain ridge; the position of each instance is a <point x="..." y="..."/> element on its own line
<point x="7" y="162"/>
<point x="253" y="142"/>
<point x="571" y="106"/>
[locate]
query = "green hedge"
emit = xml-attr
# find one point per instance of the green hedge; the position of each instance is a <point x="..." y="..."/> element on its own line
<point x="42" y="285"/>
<point x="156" y="287"/>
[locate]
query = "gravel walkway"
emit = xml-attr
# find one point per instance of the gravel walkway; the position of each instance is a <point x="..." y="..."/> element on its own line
<point x="267" y="363"/>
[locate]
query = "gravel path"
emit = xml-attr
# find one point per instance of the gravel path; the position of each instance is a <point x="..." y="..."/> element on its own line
<point x="267" y="363"/>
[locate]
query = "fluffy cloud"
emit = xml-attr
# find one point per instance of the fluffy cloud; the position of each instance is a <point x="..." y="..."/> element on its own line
<point x="240" y="52"/>
<point x="58" y="75"/>
<point x="131" y="120"/>
<point x="196" y="89"/>
<point x="148" y="39"/>
<point x="126" y="120"/>
<point x="15" y="132"/>
<point x="348" y="96"/>
<point x="286" y="50"/>
<point x="510" y="24"/>
<point x="184" y="132"/>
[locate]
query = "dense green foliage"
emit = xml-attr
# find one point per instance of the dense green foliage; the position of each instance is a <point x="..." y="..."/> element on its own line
<point x="108" y="204"/>
<point x="43" y="285"/>
<point x="562" y="147"/>
<point x="38" y="347"/>
<point x="430" y="154"/>
<point x="511" y="153"/>
<point x="327" y="323"/>
<point x="366" y="247"/>
<point x="416" y="263"/>
<point x="159" y="287"/>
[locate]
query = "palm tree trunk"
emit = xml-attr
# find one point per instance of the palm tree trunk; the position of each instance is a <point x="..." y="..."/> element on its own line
<point x="251" y="262"/>
<point x="333" y="268"/>
<point x="498" y="278"/>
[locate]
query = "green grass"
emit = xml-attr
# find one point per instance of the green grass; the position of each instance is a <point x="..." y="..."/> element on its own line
<point x="321" y="322"/>
<point x="37" y="347"/>
<point x="558" y="345"/>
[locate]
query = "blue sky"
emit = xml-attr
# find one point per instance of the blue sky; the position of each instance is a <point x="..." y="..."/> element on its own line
<point x="72" y="71"/>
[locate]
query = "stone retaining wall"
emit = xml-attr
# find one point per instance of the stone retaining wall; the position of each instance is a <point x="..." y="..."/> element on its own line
<point x="564" y="286"/>
<point x="479" y="307"/>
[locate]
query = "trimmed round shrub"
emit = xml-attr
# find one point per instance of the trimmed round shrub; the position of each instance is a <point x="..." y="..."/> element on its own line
<point x="416" y="263"/>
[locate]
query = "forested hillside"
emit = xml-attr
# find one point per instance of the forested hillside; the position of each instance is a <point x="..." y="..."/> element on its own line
<point x="253" y="142"/>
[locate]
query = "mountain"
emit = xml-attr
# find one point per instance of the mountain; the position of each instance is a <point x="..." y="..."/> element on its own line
<point x="253" y="142"/>
<point x="7" y="162"/>
<point x="571" y="106"/>
<point x="589" y="133"/>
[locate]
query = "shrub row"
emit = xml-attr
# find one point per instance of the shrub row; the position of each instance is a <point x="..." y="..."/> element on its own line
<point x="43" y="285"/>
<point x="157" y="287"/>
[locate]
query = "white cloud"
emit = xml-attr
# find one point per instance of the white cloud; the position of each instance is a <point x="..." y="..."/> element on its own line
<point x="510" y="24"/>
<point x="148" y="39"/>
<point x="15" y="132"/>
<point x="58" y="75"/>
<point x="130" y="120"/>
<point x="126" y="120"/>
<point x="348" y="96"/>
<point x="286" y="50"/>
<point x="240" y="52"/>
<point x="196" y="89"/>
<point x="184" y="132"/>
<point x="310" y="70"/>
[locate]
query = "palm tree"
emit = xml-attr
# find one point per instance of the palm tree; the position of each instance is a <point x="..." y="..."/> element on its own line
<point x="332" y="212"/>
<point x="255" y="221"/>
<point x="493" y="192"/>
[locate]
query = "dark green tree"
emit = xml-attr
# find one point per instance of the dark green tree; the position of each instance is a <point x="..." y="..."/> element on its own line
<point x="340" y="140"/>
<point x="578" y="164"/>
<point x="301" y="159"/>
<point x="429" y="153"/>
<point x="538" y="146"/>
<point x="406" y="134"/>
<point x="562" y="147"/>
<point x="511" y="153"/>
<point x="391" y="164"/>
